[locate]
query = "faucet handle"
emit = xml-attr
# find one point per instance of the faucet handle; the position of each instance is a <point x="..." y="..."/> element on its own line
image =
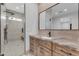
<point x="49" y="34"/>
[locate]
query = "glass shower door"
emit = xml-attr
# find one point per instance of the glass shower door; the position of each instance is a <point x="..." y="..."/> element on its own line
<point x="3" y="26"/>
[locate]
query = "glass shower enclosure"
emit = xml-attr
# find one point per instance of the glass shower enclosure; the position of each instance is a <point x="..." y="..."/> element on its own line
<point x="2" y="27"/>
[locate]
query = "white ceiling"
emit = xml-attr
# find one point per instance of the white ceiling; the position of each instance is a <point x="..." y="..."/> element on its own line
<point x="71" y="7"/>
<point x="18" y="7"/>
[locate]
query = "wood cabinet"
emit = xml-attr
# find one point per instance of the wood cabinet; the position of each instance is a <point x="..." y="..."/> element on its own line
<point x="74" y="52"/>
<point x="46" y="44"/>
<point x="39" y="47"/>
<point x="44" y="51"/>
<point x="45" y="48"/>
<point x="33" y="45"/>
<point x="56" y="54"/>
<point x="61" y="50"/>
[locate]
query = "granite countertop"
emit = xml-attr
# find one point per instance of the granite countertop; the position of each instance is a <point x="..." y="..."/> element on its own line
<point x="65" y="41"/>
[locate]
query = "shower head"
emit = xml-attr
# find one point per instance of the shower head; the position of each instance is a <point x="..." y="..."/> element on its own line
<point x="8" y="11"/>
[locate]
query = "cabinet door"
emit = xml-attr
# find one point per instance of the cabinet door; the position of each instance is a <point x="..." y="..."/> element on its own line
<point x="31" y="45"/>
<point x="31" y="49"/>
<point x="44" y="51"/>
<point x="56" y="54"/>
<point x="63" y="51"/>
<point x="31" y="40"/>
<point x="36" y="46"/>
<point x="46" y="44"/>
<point x="74" y="52"/>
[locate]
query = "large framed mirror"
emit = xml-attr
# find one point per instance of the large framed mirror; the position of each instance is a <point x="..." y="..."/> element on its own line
<point x="63" y="16"/>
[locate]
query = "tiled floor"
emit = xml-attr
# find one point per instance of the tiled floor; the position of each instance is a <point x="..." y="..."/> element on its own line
<point x="14" y="48"/>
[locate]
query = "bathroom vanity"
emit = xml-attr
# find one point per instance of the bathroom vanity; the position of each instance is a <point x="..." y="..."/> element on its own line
<point x="53" y="46"/>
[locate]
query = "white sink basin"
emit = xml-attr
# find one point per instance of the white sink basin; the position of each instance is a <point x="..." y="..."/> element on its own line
<point x="68" y="43"/>
<point x="46" y="37"/>
<point x="58" y="38"/>
<point x="54" y="38"/>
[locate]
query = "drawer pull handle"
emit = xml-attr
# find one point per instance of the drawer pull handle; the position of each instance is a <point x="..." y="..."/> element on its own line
<point x="70" y="54"/>
<point x="64" y="51"/>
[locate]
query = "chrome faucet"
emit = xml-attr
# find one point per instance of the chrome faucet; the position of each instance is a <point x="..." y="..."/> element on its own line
<point x="49" y="34"/>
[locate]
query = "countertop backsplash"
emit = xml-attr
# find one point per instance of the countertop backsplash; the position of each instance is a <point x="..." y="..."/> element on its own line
<point x="67" y="34"/>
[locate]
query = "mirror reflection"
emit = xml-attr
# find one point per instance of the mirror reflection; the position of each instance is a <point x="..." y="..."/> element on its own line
<point x="63" y="16"/>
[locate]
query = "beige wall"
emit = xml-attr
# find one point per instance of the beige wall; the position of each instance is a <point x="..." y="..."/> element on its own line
<point x="44" y="6"/>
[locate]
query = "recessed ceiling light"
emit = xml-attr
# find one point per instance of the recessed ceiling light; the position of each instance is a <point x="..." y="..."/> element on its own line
<point x="11" y="18"/>
<point x="65" y="9"/>
<point x="17" y="7"/>
<point x="14" y="19"/>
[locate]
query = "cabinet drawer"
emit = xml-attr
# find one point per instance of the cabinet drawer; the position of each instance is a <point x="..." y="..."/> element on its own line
<point x="74" y="53"/>
<point x="31" y="49"/>
<point x="62" y="50"/>
<point x="44" y="51"/>
<point x="32" y="40"/>
<point x="62" y="47"/>
<point x="56" y="54"/>
<point x="46" y="44"/>
<point x="32" y="43"/>
<point x="65" y="50"/>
